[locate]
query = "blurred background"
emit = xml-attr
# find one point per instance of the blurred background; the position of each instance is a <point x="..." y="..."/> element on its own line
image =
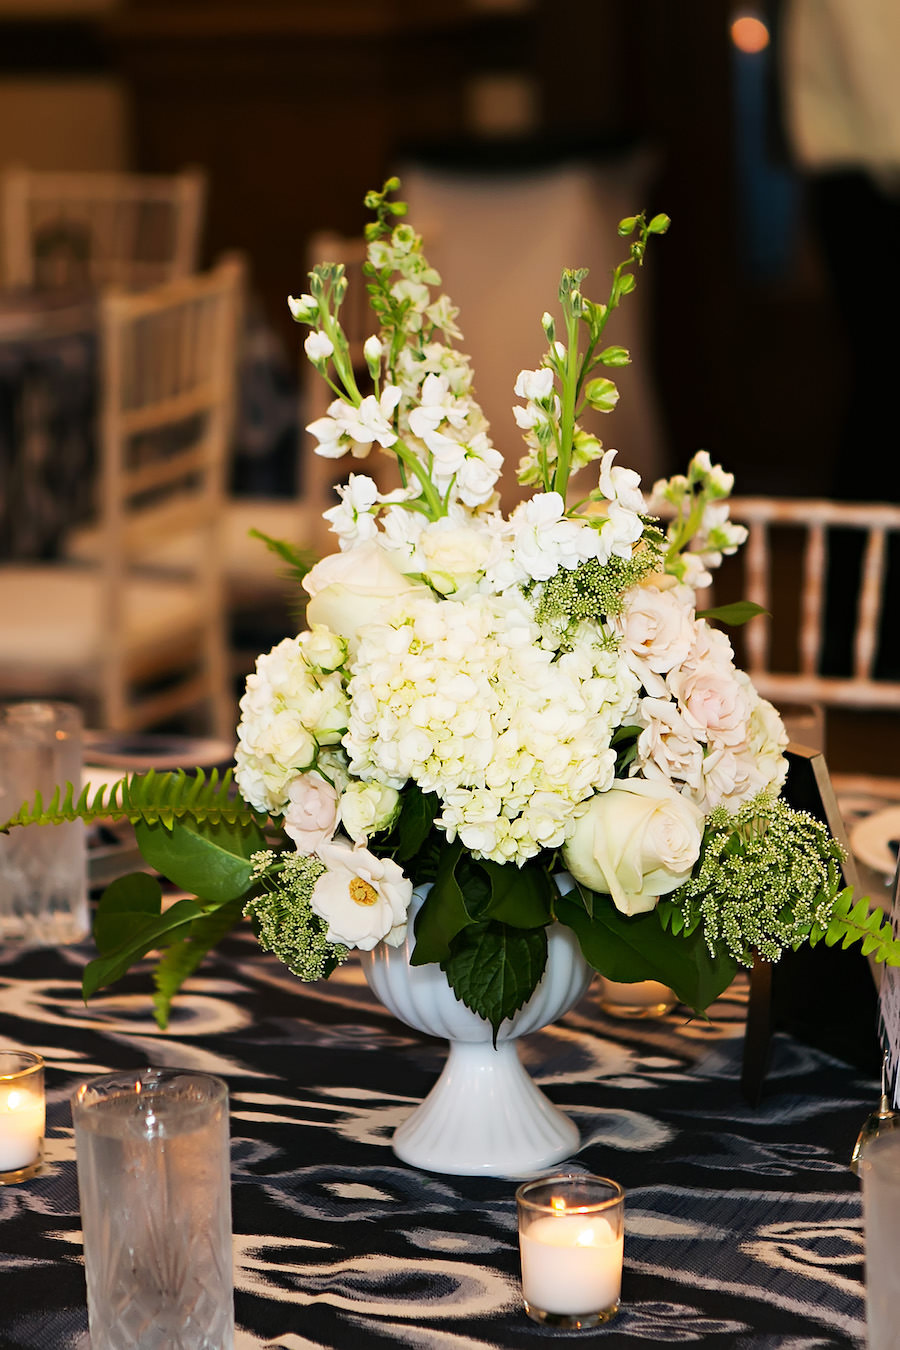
<point x="294" y="108"/>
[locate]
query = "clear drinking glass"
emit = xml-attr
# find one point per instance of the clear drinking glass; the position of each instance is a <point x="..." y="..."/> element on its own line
<point x="22" y="1115"/>
<point x="154" y="1179"/>
<point x="43" y="868"/>
<point x="879" y="1170"/>
<point x="571" y="1239"/>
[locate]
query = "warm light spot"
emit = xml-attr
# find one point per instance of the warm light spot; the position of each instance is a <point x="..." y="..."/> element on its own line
<point x="585" y="1238"/>
<point x="558" y="1204"/>
<point x="749" y="33"/>
<point x="13" y="1100"/>
<point x="362" y="892"/>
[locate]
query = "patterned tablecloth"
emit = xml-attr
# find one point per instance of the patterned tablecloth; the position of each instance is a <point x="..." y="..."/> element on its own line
<point x="743" y="1225"/>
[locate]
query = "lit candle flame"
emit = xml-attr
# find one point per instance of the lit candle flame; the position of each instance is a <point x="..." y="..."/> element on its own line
<point x="558" y="1204"/>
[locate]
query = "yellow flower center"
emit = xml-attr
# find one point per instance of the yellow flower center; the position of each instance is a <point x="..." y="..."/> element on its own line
<point x="362" y="892"/>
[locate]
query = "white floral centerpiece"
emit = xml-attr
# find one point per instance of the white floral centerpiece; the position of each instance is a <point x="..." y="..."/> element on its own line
<point x="484" y="702"/>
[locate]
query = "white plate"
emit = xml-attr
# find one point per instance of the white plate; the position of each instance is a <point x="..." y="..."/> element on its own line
<point x="874" y="840"/>
<point x="136" y="752"/>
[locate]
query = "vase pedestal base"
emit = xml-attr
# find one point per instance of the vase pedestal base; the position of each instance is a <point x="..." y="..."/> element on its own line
<point x="485" y="1116"/>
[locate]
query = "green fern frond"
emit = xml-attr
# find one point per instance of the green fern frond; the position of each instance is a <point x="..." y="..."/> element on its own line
<point x="148" y="797"/>
<point x="299" y="560"/>
<point x="183" y="957"/>
<point x="854" y="922"/>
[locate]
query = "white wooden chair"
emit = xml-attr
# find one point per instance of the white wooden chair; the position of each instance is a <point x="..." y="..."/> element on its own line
<point x="136" y="647"/>
<point x="784" y="567"/>
<point x="73" y="230"/>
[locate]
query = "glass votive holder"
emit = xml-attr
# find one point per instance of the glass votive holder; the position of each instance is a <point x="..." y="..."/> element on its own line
<point x="22" y="1115"/>
<point x="571" y="1240"/>
<point x="643" y="998"/>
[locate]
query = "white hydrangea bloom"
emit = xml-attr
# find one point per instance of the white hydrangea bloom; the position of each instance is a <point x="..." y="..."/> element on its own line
<point x="289" y="709"/>
<point x="464" y="700"/>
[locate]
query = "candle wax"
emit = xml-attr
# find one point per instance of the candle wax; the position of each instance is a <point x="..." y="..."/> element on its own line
<point x="571" y="1263"/>
<point x="21" y="1127"/>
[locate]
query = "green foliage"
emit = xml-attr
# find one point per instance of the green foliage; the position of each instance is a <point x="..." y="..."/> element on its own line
<point x="854" y="922"/>
<point x="212" y="860"/>
<point x="741" y="611"/>
<point x="130" y="922"/>
<point x="149" y="798"/>
<point x="639" y="948"/>
<point x="283" y="917"/>
<point x="298" y="560"/>
<point x="182" y="957"/>
<point x="494" y="968"/>
<point x="592" y="590"/>
<point x="768" y="875"/>
<point x="468" y="892"/>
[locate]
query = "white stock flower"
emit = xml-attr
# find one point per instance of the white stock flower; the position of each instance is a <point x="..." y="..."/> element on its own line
<point x="318" y="347"/>
<point x="304" y="308"/>
<point x="373" y="349"/>
<point x="311" y="815"/>
<point x="362" y="899"/>
<point x="534" y="384"/>
<point x="353" y="520"/>
<point x="637" y="841"/>
<point x="545" y="540"/>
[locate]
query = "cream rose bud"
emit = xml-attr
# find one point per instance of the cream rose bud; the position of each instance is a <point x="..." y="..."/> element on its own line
<point x="311" y="815"/>
<point x="350" y="589"/>
<point x="363" y="899"/>
<point x="366" y="808"/>
<point x="322" y="648"/>
<point x="637" y="841"/>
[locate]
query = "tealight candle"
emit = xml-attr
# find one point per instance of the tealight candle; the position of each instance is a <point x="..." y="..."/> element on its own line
<point x="22" y="1114"/>
<point x="571" y="1238"/>
<point x="643" y="998"/>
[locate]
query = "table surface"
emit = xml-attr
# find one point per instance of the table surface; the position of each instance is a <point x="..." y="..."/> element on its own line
<point x="743" y="1224"/>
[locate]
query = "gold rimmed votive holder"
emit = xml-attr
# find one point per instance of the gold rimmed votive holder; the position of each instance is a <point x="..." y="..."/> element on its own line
<point x="22" y="1115"/>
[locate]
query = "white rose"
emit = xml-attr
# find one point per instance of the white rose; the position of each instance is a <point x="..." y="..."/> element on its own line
<point x="455" y="556"/>
<point x="637" y="841"/>
<point x="312" y="812"/>
<point x="657" y="631"/>
<point x="348" y="590"/>
<point x="714" y="703"/>
<point x="363" y="899"/>
<point x="366" y="808"/>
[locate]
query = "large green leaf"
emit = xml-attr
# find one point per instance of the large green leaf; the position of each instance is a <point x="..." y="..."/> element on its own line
<point x="123" y="907"/>
<point x="443" y="913"/>
<point x="417" y="812"/>
<point x="740" y="611"/>
<point x="639" y="948"/>
<point x="211" y="861"/>
<point x="146" y="934"/>
<point x="520" y="896"/>
<point x="494" y="969"/>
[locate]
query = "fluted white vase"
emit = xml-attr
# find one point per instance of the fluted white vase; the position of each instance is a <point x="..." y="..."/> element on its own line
<point x="485" y="1116"/>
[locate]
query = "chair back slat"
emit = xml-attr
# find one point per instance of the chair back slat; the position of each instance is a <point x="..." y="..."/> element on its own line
<point x="870" y="603"/>
<point x="815" y="562"/>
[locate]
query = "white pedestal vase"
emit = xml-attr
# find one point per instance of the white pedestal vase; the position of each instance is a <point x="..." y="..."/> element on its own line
<point x="485" y="1115"/>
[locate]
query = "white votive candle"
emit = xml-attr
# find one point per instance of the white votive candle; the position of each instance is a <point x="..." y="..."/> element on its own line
<point x="22" y="1113"/>
<point x="572" y="1264"/>
<point x="571" y="1238"/>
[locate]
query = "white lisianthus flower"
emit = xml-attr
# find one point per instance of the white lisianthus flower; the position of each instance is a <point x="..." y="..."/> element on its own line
<point x="366" y="808"/>
<point x="667" y="748"/>
<point x="363" y="899"/>
<point x="349" y="590"/>
<point x="311" y="816"/>
<point x="635" y="842"/>
<point x="318" y="347"/>
<point x="715" y="705"/>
